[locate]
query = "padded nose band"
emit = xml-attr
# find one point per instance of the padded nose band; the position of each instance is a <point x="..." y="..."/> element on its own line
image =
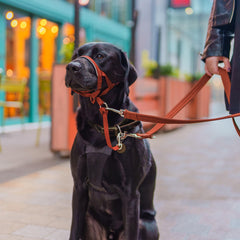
<point x="91" y="61"/>
<point x="99" y="91"/>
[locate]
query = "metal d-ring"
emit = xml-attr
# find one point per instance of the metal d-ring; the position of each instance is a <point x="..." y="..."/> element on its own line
<point x="120" y="138"/>
<point x="122" y="147"/>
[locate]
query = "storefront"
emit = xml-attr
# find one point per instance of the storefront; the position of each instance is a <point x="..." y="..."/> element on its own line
<point x="36" y="34"/>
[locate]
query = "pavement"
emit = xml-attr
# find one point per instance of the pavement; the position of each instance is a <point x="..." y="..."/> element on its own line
<point x="197" y="194"/>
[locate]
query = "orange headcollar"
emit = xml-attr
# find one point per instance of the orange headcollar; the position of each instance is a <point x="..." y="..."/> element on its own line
<point x="99" y="91"/>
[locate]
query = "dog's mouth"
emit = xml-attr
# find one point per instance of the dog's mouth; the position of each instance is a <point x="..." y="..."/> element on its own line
<point x="83" y="90"/>
<point x="81" y="85"/>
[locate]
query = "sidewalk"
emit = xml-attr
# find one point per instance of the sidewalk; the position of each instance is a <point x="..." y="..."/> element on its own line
<point x="197" y="191"/>
<point x="35" y="189"/>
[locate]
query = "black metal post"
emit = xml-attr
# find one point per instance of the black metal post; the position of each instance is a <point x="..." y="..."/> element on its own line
<point x="134" y="25"/>
<point x="76" y="23"/>
<point x="76" y="43"/>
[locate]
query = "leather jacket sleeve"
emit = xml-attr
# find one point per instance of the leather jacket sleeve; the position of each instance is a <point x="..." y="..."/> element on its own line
<point x="218" y="40"/>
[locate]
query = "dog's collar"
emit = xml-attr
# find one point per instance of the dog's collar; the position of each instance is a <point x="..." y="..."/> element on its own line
<point x="124" y="126"/>
<point x="100" y="75"/>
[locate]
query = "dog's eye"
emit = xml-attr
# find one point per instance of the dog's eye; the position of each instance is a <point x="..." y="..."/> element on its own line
<point x="99" y="56"/>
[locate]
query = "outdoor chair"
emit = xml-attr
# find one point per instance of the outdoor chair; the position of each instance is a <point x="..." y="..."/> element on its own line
<point x="44" y="103"/>
<point x="15" y="87"/>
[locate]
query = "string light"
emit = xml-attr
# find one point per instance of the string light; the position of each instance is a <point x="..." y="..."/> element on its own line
<point x="54" y="29"/>
<point x="9" y="72"/>
<point x="9" y="15"/>
<point x="43" y="22"/>
<point x="66" y="40"/>
<point x="41" y="30"/>
<point x="83" y="2"/>
<point x="23" y="24"/>
<point x="189" y="11"/>
<point x="14" y="23"/>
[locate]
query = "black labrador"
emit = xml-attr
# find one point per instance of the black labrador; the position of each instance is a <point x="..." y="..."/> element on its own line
<point x="113" y="191"/>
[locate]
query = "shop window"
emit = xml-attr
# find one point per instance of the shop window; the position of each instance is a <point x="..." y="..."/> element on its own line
<point x="92" y="5"/>
<point x="106" y="8"/>
<point x="123" y="6"/>
<point x="47" y="33"/>
<point x="17" y="58"/>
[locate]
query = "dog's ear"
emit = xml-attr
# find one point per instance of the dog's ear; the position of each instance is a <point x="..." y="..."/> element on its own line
<point x="75" y="54"/>
<point x="129" y="68"/>
<point x="132" y="75"/>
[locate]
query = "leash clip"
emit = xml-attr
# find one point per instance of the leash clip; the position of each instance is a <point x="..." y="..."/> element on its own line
<point x="133" y="135"/>
<point x="120" y="112"/>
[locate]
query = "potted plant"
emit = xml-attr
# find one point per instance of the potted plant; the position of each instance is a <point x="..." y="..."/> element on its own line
<point x="66" y="52"/>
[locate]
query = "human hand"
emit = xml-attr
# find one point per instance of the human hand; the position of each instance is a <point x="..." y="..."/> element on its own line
<point x="211" y="65"/>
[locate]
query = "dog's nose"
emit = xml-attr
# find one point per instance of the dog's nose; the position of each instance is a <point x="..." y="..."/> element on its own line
<point x="74" y="67"/>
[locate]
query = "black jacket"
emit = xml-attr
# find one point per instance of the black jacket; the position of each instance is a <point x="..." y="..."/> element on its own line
<point x="220" y="29"/>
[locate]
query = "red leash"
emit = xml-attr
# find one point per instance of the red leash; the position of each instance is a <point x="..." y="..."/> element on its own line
<point x="161" y="121"/>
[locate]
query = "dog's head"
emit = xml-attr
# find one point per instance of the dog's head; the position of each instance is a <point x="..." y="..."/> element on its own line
<point x="81" y="74"/>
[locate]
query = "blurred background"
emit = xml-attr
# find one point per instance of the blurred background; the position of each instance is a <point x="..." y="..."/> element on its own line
<point x="36" y="35"/>
<point x="197" y="190"/>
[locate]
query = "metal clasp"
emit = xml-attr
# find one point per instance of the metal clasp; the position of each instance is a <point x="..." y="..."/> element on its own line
<point x="120" y="112"/>
<point x="133" y="135"/>
<point x="106" y="106"/>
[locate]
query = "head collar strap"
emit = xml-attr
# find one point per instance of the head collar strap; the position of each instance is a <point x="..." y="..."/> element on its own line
<point x="100" y="75"/>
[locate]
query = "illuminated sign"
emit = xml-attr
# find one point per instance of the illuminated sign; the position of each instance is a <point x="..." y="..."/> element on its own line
<point x="180" y="3"/>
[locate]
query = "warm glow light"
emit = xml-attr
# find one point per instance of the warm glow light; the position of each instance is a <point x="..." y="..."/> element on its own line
<point x="54" y="29"/>
<point x="14" y="23"/>
<point x="9" y="15"/>
<point x="9" y="72"/>
<point x="72" y="38"/>
<point x="41" y="30"/>
<point x="43" y="22"/>
<point x="66" y="40"/>
<point x="83" y="2"/>
<point x="189" y="11"/>
<point x="23" y="24"/>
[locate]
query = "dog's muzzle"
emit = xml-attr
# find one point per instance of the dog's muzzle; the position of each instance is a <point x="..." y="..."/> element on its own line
<point x="75" y="66"/>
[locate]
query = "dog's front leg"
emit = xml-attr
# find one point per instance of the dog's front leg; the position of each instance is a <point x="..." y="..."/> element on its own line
<point x="131" y="216"/>
<point x="130" y="210"/>
<point x="79" y="208"/>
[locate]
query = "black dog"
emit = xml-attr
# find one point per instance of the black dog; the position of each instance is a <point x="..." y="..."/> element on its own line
<point x="113" y="192"/>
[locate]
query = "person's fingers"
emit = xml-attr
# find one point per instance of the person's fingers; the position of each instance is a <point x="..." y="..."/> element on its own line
<point x="207" y="72"/>
<point x="227" y="65"/>
<point x="212" y="65"/>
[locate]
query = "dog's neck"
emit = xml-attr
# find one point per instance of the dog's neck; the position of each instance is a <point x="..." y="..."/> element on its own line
<point x="89" y="115"/>
<point x="116" y="99"/>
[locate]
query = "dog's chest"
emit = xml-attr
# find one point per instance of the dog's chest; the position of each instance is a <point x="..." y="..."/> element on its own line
<point x="103" y="168"/>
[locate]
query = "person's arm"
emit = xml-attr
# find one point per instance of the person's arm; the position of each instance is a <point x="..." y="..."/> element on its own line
<point x="217" y="47"/>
